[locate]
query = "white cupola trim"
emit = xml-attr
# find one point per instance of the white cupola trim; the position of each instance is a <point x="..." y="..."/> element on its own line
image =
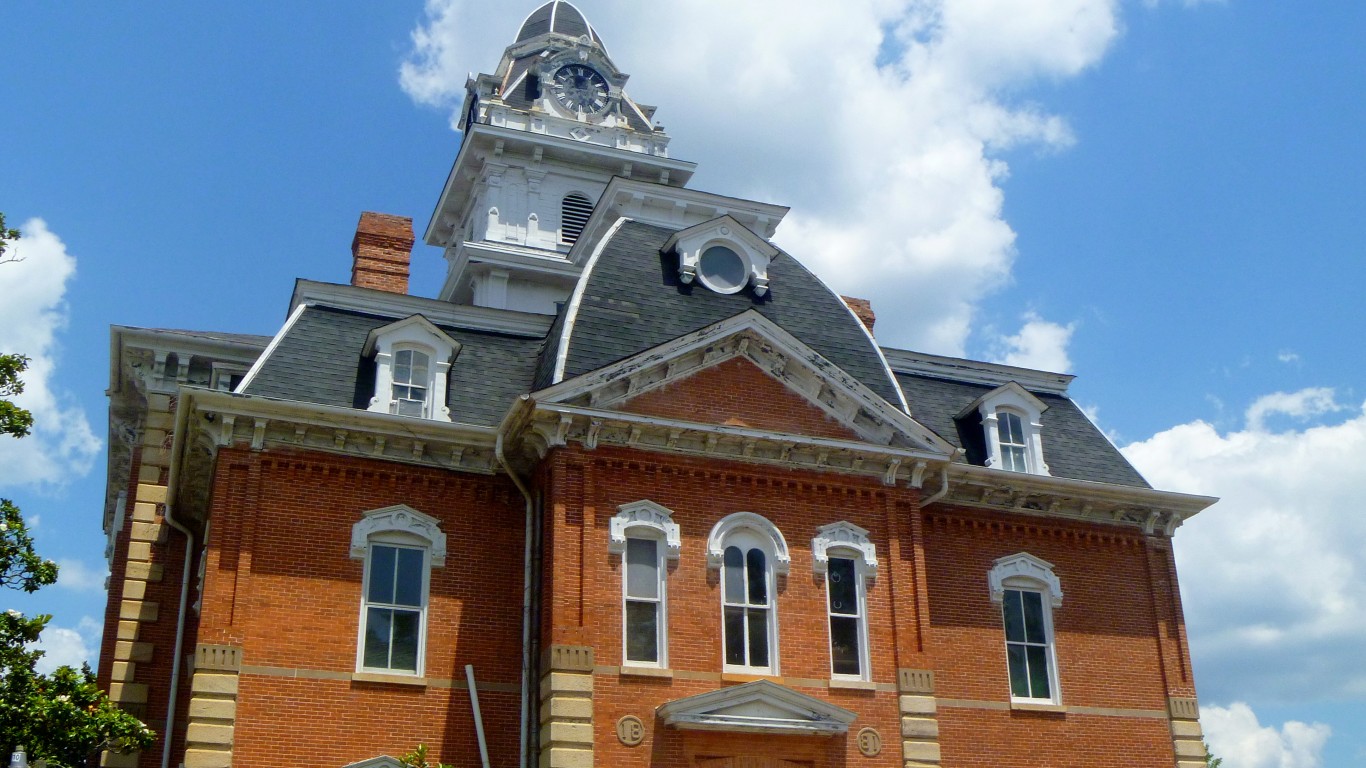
<point x="419" y="335"/>
<point x="724" y="255"/>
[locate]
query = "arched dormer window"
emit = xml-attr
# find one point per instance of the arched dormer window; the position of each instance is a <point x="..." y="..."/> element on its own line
<point x="399" y="546"/>
<point x="843" y="553"/>
<point x="1012" y="429"/>
<point x="412" y="365"/>
<point x="1028" y="592"/>
<point x="750" y="553"/>
<point x="644" y="534"/>
<point x="575" y="209"/>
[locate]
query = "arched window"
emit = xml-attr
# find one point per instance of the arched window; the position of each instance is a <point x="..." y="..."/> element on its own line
<point x="575" y="209"/>
<point x="750" y="552"/>
<point x="1028" y="591"/>
<point x="399" y="546"/>
<point x="1010" y="432"/>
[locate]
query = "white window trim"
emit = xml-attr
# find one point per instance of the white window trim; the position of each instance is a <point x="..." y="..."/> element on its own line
<point x="1027" y="573"/>
<point x="646" y="519"/>
<point x="399" y="526"/>
<point x="849" y="541"/>
<point x="778" y="563"/>
<point x="1013" y="398"/>
<point x="419" y="334"/>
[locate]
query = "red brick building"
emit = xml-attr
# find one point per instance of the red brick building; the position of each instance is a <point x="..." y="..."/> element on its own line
<point x="635" y="489"/>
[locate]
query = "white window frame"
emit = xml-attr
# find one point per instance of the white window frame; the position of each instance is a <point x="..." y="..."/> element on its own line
<point x="1025" y="573"/>
<point x="401" y="527"/>
<point x="418" y="334"/>
<point x="847" y="541"/>
<point x="1012" y="398"/>
<point x="645" y="519"/>
<point x="746" y="530"/>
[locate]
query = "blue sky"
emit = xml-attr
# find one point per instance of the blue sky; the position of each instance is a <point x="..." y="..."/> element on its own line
<point x="1161" y="197"/>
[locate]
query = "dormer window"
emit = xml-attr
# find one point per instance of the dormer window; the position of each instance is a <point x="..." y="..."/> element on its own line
<point x="412" y="364"/>
<point x="723" y="255"/>
<point x="1012" y="429"/>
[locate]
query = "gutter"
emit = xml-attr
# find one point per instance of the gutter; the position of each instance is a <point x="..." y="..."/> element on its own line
<point x="515" y="415"/>
<point x="177" y="448"/>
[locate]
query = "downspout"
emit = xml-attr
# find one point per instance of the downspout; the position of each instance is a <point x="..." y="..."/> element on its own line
<point x="181" y="420"/>
<point x="943" y="488"/>
<point x="521" y="406"/>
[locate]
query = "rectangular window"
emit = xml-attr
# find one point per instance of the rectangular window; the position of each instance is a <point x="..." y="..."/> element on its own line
<point x="643" y="602"/>
<point x="1010" y="431"/>
<point x="394" y="609"/>
<point x="410" y="383"/>
<point x="1029" y="645"/>
<point x="847" y="627"/>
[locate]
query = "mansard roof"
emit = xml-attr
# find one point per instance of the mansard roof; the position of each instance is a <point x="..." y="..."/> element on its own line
<point x="319" y="359"/>
<point x="1074" y="447"/>
<point x="631" y="300"/>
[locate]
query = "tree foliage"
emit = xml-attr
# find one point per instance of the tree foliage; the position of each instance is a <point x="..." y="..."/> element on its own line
<point x="63" y="717"/>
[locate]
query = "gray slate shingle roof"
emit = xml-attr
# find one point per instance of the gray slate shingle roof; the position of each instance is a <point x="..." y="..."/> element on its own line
<point x="320" y="361"/>
<point x="1072" y="446"/>
<point x="634" y="301"/>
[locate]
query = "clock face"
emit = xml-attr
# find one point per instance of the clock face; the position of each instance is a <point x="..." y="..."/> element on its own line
<point x="580" y="88"/>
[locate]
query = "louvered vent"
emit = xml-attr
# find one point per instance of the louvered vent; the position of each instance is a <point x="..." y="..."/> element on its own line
<point x="574" y="212"/>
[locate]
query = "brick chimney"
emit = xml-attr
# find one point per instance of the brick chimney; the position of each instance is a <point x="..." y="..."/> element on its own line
<point x="380" y="252"/>
<point x="863" y="310"/>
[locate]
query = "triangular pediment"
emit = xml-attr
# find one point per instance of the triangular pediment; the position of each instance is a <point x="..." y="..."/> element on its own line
<point x="751" y="349"/>
<point x="736" y="392"/>
<point x="758" y="707"/>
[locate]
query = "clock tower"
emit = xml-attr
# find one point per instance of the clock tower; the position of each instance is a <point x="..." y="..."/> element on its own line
<point x="543" y="135"/>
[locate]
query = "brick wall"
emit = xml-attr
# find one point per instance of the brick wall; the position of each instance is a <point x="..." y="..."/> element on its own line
<point x="280" y="583"/>
<point x="736" y="392"/>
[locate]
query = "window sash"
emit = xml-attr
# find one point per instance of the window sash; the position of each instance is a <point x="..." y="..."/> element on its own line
<point x="747" y="621"/>
<point x="394" y="609"/>
<point x="643" y="604"/>
<point x="1011" y="438"/>
<point x="409" y="382"/>
<point x="1029" y="645"/>
<point x="847" y="624"/>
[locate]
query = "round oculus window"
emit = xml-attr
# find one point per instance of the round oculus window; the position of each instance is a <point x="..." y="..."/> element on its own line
<point x="722" y="269"/>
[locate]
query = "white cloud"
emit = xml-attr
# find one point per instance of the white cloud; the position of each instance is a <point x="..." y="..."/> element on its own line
<point x="1039" y="344"/>
<point x="881" y="122"/>
<point x="32" y="314"/>
<point x="1300" y="406"/>
<point x="1235" y="735"/>
<point x="64" y="646"/>
<point x="75" y="575"/>
<point x="1288" y="356"/>
<point x="1274" y="575"/>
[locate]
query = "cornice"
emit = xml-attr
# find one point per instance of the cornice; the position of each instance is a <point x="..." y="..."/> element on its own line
<point x="1152" y="511"/>
<point x="399" y="306"/>
<point x="976" y="372"/>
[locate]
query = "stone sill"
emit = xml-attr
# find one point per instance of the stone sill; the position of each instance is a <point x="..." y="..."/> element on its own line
<point x="853" y="685"/>
<point x="377" y="677"/>
<point x="742" y="677"/>
<point x="1030" y="706"/>
<point x="629" y="671"/>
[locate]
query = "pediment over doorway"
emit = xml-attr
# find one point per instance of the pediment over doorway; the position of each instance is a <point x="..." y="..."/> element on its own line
<point x="758" y="707"/>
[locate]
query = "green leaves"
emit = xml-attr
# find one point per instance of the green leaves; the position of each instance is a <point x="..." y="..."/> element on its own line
<point x="13" y="420"/>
